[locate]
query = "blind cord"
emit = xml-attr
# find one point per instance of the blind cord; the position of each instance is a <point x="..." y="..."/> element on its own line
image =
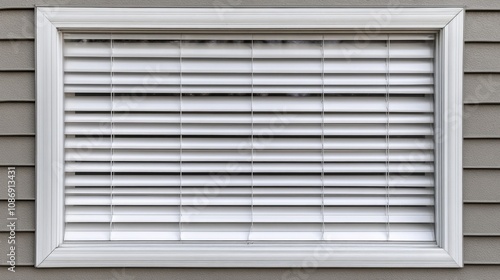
<point x="112" y="136"/>
<point x="323" y="138"/>
<point x="180" y="141"/>
<point x="387" y="137"/>
<point x="252" y="143"/>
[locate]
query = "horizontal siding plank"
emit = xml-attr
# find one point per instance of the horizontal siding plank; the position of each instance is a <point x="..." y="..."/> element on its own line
<point x="481" y="88"/>
<point x="481" y="219"/>
<point x="17" y="55"/>
<point x="481" y="121"/>
<point x="17" y="118"/>
<point x="17" y="86"/>
<point x="17" y="150"/>
<point x="481" y="186"/>
<point x="482" y="250"/>
<point x="25" y="183"/>
<point x="25" y="214"/>
<point x="469" y="4"/>
<point x="17" y="24"/>
<point x="482" y="26"/>
<point x="481" y="153"/>
<point x="482" y="57"/>
<point x="309" y="272"/>
<point x="25" y="249"/>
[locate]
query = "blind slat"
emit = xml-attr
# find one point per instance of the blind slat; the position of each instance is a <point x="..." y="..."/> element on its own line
<point x="258" y="180"/>
<point x="258" y="129"/>
<point x="85" y="153"/>
<point x="258" y="118"/>
<point x="261" y="104"/>
<point x="257" y="167"/>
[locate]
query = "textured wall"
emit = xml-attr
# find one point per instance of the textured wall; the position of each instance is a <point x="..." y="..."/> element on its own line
<point x="481" y="145"/>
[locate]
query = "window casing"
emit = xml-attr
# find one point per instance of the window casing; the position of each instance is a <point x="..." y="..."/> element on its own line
<point x="446" y="249"/>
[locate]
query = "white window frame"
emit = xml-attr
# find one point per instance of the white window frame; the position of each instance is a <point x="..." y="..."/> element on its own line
<point x="51" y="251"/>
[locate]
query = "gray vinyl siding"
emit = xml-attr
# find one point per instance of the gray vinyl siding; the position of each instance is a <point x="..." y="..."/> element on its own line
<point x="481" y="185"/>
<point x="481" y="152"/>
<point x="474" y="216"/>
<point x="26" y="210"/>
<point x="17" y="55"/>
<point x="479" y="26"/>
<point x="473" y="272"/>
<point x="18" y="118"/>
<point x="17" y="86"/>
<point x="25" y="251"/>
<point x="26" y="180"/>
<point x="474" y="124"/>
<point x="17" y="24"/>
<point x="481" y="88"/>
<point x="481" y="57"/>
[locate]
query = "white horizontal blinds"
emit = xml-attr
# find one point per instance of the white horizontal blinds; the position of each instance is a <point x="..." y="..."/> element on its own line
<point x="104" y="66"/>
<point x="207" y="203"/>
<point x="92" y="219"/>
<point x="249" y="137"/>
<point x="393" y="57"/>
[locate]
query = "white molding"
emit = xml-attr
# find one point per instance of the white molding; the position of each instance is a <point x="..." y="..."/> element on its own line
<point x="49" y="144"/>
<point x="51" y="251"/>
<point x="451" y="41"/>
<point x="248" y="255"/>
<point x="244" y="18"/>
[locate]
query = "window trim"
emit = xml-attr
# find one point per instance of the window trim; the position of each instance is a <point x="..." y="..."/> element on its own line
<point x="51" y="251"/>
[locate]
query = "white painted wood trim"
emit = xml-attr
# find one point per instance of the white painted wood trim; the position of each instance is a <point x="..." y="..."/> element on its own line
<point x="51" y="251"/>
<point x="49" y="139"/>
<point x="250" y="255"/>
<point x="254" y="18"/>
<point x="451" y="40"/>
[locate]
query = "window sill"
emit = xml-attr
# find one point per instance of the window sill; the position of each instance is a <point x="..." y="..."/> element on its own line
<point x="252" y="255"/>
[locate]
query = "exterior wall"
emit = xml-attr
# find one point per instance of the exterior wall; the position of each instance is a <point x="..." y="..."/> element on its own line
<point x="481" y="145"/>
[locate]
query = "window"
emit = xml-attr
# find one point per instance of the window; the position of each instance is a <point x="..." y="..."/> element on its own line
<point x="249" y="137"/>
